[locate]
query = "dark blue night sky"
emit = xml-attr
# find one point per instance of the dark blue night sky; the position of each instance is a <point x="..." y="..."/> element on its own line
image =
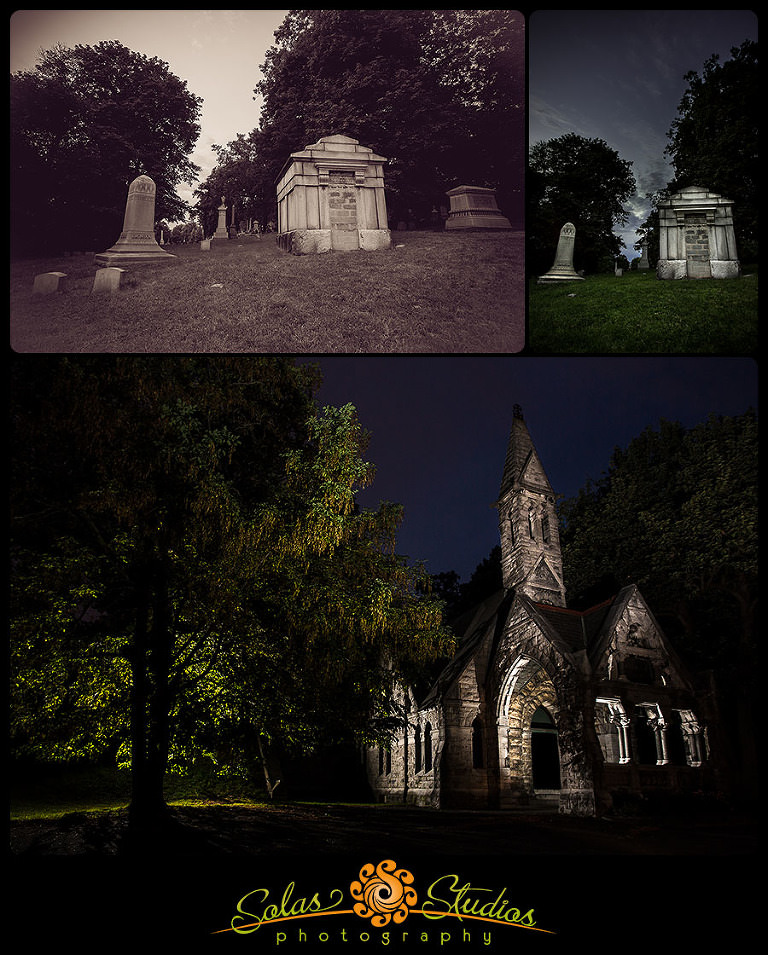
<point x="440" y="426"/>
<point x="619" y="76"/>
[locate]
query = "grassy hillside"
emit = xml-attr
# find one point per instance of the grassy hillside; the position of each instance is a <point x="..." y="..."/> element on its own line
<point x="638" y="313"/>
<point x="432" y="293"/>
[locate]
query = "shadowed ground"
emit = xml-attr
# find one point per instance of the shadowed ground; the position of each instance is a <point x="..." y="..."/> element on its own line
<point x="432" y="292"/>
<point x="297" y="829"/>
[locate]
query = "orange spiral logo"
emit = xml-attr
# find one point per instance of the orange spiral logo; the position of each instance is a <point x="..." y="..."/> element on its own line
<point x="383" y="893"/>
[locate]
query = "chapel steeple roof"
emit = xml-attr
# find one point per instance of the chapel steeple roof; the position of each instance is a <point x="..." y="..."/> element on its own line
<point x="522" y="466"/>
<point x="531" y="560"/>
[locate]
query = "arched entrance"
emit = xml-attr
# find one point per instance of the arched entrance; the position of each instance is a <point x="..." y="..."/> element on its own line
<point x="529" y="756"/>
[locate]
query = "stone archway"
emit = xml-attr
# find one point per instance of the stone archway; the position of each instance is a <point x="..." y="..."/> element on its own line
<point x="527" y="690"/>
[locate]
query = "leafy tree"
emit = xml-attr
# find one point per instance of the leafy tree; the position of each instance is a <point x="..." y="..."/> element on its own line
<point x="84" y="123"/>
<point x="578" y="180"/>
<point x="243" y="178"/>
<point x="713" y="141"/>
<point x="200" y="579"/>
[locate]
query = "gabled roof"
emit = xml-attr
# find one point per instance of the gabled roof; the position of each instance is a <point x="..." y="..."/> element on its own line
<point x="570" y="631"/>
<point x="578" y="630"/>
<point x="470" y="629"/>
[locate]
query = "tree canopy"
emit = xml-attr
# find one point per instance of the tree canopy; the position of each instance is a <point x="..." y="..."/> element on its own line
<point x="578" y="180"/>
<point x="676" y="513"/>
<point x="192" y="579"/>
<point x="84" y="123"/>
<point x="440" y="94"/>
<point x="713" y="140"/>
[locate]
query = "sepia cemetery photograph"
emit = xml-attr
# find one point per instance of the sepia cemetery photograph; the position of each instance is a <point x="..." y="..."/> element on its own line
<point x="383" y="525"/>
<point x="271" y="145"/>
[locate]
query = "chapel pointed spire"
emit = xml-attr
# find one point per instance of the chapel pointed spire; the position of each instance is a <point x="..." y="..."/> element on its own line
<point x="530" y="543"/>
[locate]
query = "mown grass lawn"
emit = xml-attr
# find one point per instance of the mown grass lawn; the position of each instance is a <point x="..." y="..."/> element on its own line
<point x="59" y="791"/>
<point x="431" y="292"/>
<point x="638" y="313"/>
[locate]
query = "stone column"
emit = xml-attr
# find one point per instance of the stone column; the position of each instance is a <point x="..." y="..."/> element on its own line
<point x="562" y="270"/>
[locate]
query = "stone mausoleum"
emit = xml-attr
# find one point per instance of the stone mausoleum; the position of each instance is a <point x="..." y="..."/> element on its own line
<point x="542" y="705"/>
<point x="330" y="197"/>
<point x="696" y="237"/>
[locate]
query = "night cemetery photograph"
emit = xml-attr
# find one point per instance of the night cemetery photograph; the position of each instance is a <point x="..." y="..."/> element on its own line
<point x="641" y="185"/>
<point x="383" y="526"/>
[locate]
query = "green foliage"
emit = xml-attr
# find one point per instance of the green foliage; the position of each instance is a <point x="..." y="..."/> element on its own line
<point x="578" y="180"/>
<point x="84" y="124"/>
<point x="187" y="549"/>
<point x="713" y="141"/>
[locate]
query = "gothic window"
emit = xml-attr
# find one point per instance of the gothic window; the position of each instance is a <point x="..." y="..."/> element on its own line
<point x="388" y="762"/>
<point x="381" y="760"/>
<point x="545" y="528"/>
<point x="676" y="741"/>
<point x="417" y="749"/>
<point x="530" y="525"/>
<point x="428" y="748"/>
<point x="645" y="749"/>
<point x="477" y="744"/>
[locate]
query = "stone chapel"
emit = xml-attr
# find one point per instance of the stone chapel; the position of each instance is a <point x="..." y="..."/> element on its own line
<point x="542" y="705"/>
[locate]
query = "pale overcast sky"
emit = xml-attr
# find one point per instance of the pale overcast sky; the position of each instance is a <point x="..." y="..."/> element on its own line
<point x="217" y="52"/>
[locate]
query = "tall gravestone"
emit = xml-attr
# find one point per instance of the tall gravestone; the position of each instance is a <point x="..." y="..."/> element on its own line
<point x="330" y="197"/>
<point x="221" y="225"/>
<point x="137" y="241"/>
<point x="474" y="207"/>
<point x="643" y="264"/>
<point x="562" y="269"/>
<point x="696" y="236"/>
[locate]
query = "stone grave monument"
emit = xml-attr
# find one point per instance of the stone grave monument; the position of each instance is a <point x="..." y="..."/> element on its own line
<point x="474" y="207"/>
<point x="109" y="279"/>
<point x="643" y="264"/>
<point x="48" y="282"/>
<point x="696" y="237"/>
<point x="221" y="226"/>
<point x="330" y="197"/>
<point x="137" y="241"/>
<point x="562" y="269"/>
